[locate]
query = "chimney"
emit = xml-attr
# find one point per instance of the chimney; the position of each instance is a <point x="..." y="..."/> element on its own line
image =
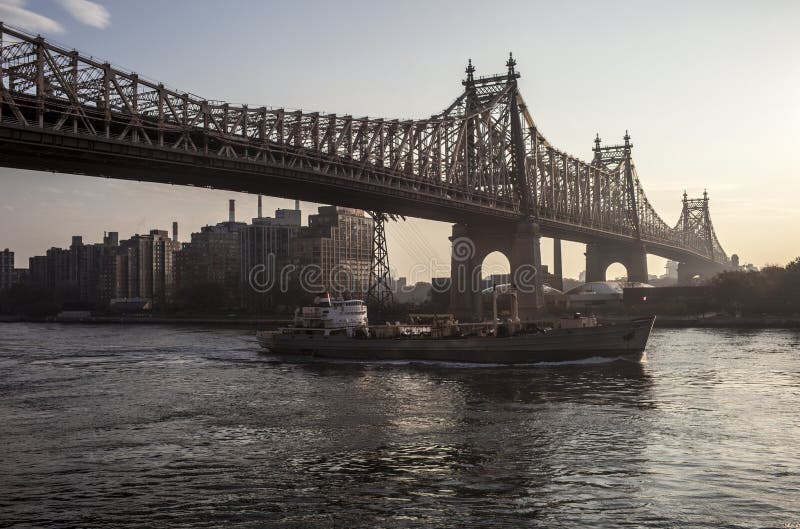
<point x="231" y="210"/>
<point x="175" y="231"/>
<point x="259" y="205"/>
<point x="297" y="205"/>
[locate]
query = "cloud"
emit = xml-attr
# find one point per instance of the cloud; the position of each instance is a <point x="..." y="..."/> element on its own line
<point x="13" y="12"/>
<point x="89" y="13"/>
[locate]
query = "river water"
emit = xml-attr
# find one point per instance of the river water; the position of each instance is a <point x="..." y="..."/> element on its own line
<point x="158" y="426"/>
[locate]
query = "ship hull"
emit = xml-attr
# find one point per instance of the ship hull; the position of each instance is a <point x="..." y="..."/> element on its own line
<point x="626" y="341"/>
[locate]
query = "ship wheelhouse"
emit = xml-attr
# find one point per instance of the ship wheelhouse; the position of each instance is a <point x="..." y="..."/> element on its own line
<point x="332" y="317"/>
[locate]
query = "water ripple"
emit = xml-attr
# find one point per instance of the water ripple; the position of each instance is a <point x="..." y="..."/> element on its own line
<point x="158" y="426"/>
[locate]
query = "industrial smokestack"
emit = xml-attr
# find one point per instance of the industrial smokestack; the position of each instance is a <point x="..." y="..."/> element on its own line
<point x="232" y="210"/>
<point x="175" y="231"/>
<point x="297" y="205"/>
<point x="259" y="206"/>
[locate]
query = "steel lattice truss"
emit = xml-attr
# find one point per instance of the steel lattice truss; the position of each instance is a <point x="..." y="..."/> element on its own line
<point x="380" y="279"/>
<point x="484" y="149"/>
<point x="695" y="220"/>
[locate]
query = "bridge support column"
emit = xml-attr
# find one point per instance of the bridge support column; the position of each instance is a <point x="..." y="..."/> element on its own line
<point x="600" y="255"/>
<point x="526" y="269"/>
<point x="471" y="244"/>
<point x="465" y="275"/>
<point x="557" y="266"/>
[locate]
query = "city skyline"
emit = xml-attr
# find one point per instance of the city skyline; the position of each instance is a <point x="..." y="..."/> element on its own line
<point x="436" y="266"/>
<point x="256" y="266"/>
<point x="675" y="131"/>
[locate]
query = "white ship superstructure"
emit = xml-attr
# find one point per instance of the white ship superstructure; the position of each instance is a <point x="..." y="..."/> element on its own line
<point x="332" y="316"/>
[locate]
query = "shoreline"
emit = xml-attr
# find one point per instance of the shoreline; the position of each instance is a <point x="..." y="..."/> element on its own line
<point x="156" y="320"/>
<point x="716" y="322"/>
<point x="665" y="322"/>
<point x="662" y="322"/>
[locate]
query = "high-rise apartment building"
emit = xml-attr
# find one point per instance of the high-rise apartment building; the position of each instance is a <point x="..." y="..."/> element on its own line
<point x="94" y="274"/>
<point x="148" y="263"/>
<point x="106" y="267"/>
<point x="52" y="271"/>
<point x="265" y="246"/>
<point x="7" y="275"/>
<point x="213" y="257"/>
<point x="338" y="240"/>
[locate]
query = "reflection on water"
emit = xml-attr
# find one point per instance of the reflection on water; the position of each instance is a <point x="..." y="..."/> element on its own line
<point x="158" y="426"/>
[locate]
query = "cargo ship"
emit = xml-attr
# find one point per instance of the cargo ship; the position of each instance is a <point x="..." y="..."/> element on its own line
<point x="339" y="329"/>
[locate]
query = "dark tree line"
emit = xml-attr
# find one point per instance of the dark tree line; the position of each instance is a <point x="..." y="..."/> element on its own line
<point x="33" y="301"/>
<point x="772" y="290"/>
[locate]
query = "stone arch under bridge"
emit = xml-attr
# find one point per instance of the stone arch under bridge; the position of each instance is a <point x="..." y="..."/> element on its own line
<point x="601" y="255"/>
<point x="519" y="242"/>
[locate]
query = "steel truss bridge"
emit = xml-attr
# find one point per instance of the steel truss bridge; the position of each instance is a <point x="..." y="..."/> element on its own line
<point x="481" y="160"/>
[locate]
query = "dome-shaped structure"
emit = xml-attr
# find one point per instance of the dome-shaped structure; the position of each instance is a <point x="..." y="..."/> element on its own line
<point x="504" y="289"/>
<point x="600" y="292"/>
<point x="552" y="297"/>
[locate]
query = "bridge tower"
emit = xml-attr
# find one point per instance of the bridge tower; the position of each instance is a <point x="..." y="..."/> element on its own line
<point x="519" y="240"/>
<point x="600" y="254"/>
<point x="696" y="221"/>
<point x="380" y="279"/>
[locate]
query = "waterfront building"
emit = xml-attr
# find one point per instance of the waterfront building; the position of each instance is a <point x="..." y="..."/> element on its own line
<point x="148" y="267"/>
<point x="94" y="269"/>
<point x="52" y="272"/>
<point x="93" y="274"/>
<point x="265" y="251"/>
<point x="6" y="269"/>
<point x="398" y="284"/>
<point x="441" y="284"/>
<point x="106" y="271"/>
<point x="21" y="275"/>
<point x="106" y="276"/>
<point x="79" y="268"/>
<point x="338" y="241"/>
<point x="37" y="269"/>
<point x="213" y="257"/>
<point x="671" y="270"/>
<point x="55" y="273"/>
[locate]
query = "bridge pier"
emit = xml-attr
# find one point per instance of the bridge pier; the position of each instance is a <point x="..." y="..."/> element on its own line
<point x="526" y="267"/>
<point x="600" y="255"/>
<point x="465" y="274"/>
<point x="558" y="271"/>
<point x="520" y="243"/>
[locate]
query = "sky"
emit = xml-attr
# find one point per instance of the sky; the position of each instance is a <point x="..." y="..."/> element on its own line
<point x="708" y="91"/>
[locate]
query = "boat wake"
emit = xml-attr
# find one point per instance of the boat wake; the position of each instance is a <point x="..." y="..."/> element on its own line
<point x="303" y="359"/>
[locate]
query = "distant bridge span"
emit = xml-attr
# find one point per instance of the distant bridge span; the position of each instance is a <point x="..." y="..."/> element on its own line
<point x="480" y="162"/>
